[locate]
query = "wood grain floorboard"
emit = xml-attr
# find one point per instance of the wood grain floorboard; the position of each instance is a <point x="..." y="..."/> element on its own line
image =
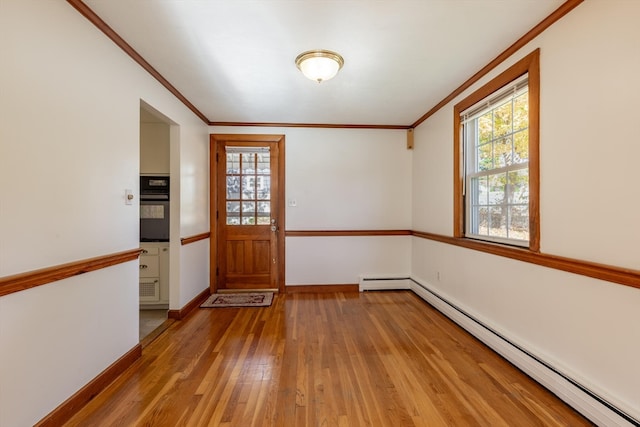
<point x="323" y="359"/>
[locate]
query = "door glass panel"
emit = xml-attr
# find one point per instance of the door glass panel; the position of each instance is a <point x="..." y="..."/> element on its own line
<point x="233" y="163"/>
<point x="248" y="163"/>
<point x="263" y="187"/>
<point x="233" y="187"/>
<point x="248" y="208"/>
<point x="264" y="167"/>
<point x="248" y="171"/>
<point x="248" y="187"/>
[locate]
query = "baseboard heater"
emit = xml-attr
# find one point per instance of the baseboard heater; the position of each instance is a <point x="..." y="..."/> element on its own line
<point x="594" y="407"/>
<point x="385" y="283"/>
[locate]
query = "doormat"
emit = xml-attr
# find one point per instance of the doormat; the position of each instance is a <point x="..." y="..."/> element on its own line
<point x="247" y="299"/>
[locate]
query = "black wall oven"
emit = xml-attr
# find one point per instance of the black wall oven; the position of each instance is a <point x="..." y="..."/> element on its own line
<point x="154" y="208"/>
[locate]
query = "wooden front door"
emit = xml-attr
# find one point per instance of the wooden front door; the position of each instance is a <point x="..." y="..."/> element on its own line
<point x="247" y="210"/>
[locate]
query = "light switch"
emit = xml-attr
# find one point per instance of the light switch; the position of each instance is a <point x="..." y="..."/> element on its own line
<point x="293" y="203"/>
<point x="128" y="197"/>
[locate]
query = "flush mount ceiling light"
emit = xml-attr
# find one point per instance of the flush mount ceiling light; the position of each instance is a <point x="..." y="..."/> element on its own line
<point x="319" y="65"/>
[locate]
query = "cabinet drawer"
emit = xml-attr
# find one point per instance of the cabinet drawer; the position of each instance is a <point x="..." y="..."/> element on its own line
<point x="149" y="266"/>
<point x="149" y="250"/>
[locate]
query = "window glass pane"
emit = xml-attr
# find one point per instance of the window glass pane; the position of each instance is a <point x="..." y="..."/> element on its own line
<point x="233" y="163"/>
<point x="248" y="180"/>
<point x="479" y="191"/>
<point x="248" y="188"/>
<point x="521" y="146"/>
<point x="248" y="208"/>
<point x="502" y="120"/>
<point x="264" y="207"/>
<point x="518" y="187"/>
<point x="248" y="163"/>
<point x="482" y="221"/>
<point x="519" y="222"/>
<point x="485" y="157"/>
<point x="264" y="167"/>
<point x="233" y="208"/>
<point x="497" y="185"/>
<point x="264" y="213"/>
<point x="485" y="127"/>
<point x="233" y="187"/>
<point x="483" y="191"/>
<point x="264" y="188"/>
<point x="497" y="221"/>
<point x="521" y="112"/>
<point x="502" y="152"/>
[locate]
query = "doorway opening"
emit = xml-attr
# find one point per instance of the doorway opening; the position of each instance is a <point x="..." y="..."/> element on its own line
<point x="155" y="201"/>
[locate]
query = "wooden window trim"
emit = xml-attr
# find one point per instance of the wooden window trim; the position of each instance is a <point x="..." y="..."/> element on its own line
<point x="529" y="64"/>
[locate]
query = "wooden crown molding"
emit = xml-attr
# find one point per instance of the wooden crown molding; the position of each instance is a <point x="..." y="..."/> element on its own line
<point x="311" y="125"/>
<point x="88" y="13"/>
<point x="565" y="8"/>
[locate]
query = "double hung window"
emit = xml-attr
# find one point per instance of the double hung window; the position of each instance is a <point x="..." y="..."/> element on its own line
<point x="497" y="159"/>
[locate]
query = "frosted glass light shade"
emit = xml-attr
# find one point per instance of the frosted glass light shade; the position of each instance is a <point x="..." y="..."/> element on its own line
<point x="319" y="65"/>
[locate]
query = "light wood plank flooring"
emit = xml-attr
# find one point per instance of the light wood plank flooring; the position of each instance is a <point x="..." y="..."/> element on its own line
<point x="331" y="359"/>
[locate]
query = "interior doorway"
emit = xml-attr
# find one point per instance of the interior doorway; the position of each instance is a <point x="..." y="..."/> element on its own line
<point x="247" y="212"/>
<point x="154" y="277"/>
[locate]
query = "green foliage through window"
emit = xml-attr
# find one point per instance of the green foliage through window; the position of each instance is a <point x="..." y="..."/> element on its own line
<point x="497" y="160"/>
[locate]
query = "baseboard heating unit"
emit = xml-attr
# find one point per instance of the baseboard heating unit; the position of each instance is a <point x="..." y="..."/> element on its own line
<point x="594" y="407"/>
<point x="384" y="283"/>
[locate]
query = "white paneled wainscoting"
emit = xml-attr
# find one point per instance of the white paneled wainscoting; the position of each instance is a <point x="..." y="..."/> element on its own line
<point x="592" y="405"/>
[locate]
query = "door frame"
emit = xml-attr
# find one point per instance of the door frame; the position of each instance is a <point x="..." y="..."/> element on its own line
<point x="214" y="139"/>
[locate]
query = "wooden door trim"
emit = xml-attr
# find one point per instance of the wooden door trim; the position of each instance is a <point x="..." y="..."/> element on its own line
<point x="214" y="139"/>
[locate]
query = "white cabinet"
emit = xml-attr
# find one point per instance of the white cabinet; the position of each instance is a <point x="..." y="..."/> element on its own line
<point x="154" y="275"/>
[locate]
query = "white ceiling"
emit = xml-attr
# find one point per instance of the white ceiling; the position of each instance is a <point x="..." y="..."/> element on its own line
<point x="234" y="59"/>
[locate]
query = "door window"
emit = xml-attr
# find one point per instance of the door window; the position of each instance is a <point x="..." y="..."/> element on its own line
<point x="248" y="195"/>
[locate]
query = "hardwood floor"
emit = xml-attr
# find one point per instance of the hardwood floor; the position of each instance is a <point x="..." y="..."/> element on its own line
<point x="329" y="359"/>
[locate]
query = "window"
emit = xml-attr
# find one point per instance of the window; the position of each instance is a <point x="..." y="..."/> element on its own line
<point x="496" y="155"/>
<point x="248" y="173"/>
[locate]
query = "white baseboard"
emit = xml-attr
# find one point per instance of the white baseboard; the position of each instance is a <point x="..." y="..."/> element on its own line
<point x="370" y="283"/>
<point x="593" y="407"/>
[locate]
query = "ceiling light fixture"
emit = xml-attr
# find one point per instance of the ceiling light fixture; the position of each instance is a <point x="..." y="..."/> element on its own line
<point x="319" y="65"/>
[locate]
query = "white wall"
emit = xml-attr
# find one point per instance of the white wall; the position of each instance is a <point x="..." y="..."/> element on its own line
<point x="589" y="201"/>
<point x="69" y="126"/>
<point x="69" y="147"/>
<point x="344" y="179"/>
<point x="154" y="148"/>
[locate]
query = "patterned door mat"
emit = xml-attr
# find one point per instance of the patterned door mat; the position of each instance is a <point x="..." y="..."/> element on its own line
<point x="246" y="299"/>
